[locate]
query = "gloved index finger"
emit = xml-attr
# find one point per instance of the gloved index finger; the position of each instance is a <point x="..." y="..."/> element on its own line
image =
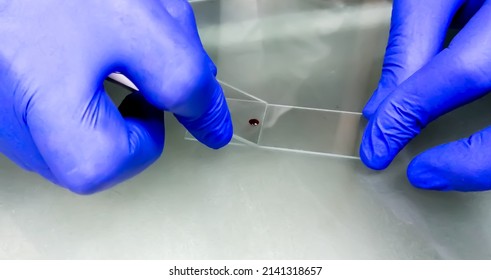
<point x="214" y="126"/>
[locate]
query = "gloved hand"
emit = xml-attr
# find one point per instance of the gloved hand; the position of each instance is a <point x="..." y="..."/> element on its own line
<point x="421" y="81"/>
<point x="55" y="117"/>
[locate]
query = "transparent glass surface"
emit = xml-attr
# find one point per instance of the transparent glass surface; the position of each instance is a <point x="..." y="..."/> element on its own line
<point x="294" y="129"/>
<point x="244" y="202"/>
<point x="315" y="131"/>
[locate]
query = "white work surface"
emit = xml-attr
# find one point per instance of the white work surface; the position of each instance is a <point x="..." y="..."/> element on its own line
<point x="245" y="202"/>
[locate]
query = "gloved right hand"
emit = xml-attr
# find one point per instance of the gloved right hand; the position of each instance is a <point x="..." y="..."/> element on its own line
<point x="55" y="117"/>
<point x="422" y="81"/>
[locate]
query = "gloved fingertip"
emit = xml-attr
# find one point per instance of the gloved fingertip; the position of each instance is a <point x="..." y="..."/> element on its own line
<point x="371" y="162"/>
<point x="374" y="102"/>
<point x="220" y="134"/>
<point x="220" y="138"/>
<point x="214" y="127"/>
<point x="423" y="173"/>
<point x="374" y="152"/>
<point x="368" y="111"/>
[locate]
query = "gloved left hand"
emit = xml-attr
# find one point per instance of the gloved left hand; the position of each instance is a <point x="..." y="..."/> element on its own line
<point x="55" y="117"/>
<point x="421" y="81"/>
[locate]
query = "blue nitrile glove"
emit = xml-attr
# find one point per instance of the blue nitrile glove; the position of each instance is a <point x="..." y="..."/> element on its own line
<point x="421" y="82"/>
<point x="55" y="117"/>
